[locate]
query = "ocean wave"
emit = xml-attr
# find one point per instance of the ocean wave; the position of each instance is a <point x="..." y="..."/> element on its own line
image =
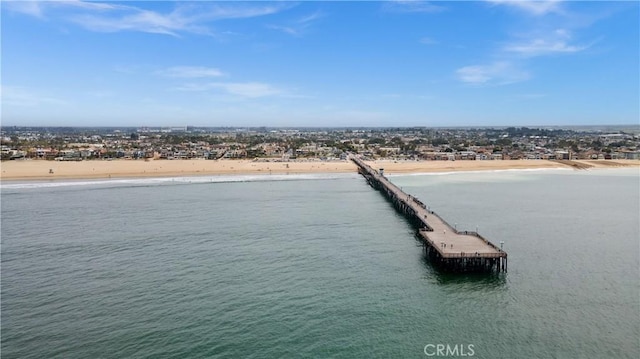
<point x="510" y="170"/>
<point x="150" y="181"/>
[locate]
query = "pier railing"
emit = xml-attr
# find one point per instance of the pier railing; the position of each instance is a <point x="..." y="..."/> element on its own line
<point x="468" y="233"/>
<point x="471" y="255"/>
<point x="487" y="256"/>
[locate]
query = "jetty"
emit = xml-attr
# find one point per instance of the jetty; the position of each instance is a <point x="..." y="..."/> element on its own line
<point x="447" y="248"/>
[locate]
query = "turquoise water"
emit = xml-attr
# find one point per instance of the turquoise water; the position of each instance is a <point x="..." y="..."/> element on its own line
<point x="318" y="267"/>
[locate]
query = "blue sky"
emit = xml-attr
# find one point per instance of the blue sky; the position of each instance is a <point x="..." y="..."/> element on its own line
<point x="318" y="63"/>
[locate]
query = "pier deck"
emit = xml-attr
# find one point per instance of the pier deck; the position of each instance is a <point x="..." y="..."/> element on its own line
<point x="452" y="249"/>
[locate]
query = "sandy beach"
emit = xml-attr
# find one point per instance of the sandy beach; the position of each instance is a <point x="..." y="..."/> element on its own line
<point x="43" y="170"/>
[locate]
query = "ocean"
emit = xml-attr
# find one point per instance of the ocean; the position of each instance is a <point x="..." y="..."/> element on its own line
<point x="318" y="266"/>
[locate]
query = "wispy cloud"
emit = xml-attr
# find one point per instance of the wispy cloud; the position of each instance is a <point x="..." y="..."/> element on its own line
<point x="31" y="8"/>
<point x="299" y="26"/>
<point x="409" y="6"/>
<point x="542" y="47"/>
<point x="311" y="17"/>
<point x="24" y="97"/>
<point x="242" y="89"/>
<point x="286" y="29"/>
<point x="190" y="72"/>
<point x="107" y="17"/>
<point x="556" y="42"/>
<point x="126" y="69"/>
<point x="249" y="89"/>
<point x="529" y="96"/>
<point x="396" y="96"/>
<point x="40" y="8"/>
<point x="537" y="8"/>
<point x="428" y="41"/>
<point x="101" y="94"/>
<point x="517" y="53"/>
<point x="493" y="74"/>
<point x="141" y="20"/>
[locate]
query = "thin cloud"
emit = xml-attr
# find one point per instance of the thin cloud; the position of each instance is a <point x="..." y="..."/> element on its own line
<point x="190" y="72"/>
<point x="39" y="8"/>
<point x="539" y="47"/>
<point x="194" y="87"/>
<point x="31" y="8"/>
<point x="411" y="6"/>
<point x="24" y="97"/>
<point x="101" y="93"/>
<point x="494" y="74"/>
<point x="89" y="5"/>
<point x="530" y="96"/>
<point x="237" y="11"/>
<point x="311" y="18"/>
<point x="107" y="17"/>
<point x="242" y="89"/>
<point x="518" y="53"/>
<point x="556" y="42"/>
<point x="428" y="41"/>
<point x="536" y="8"/>
<point x="249" y="89"/>
<point x="298" y="27"/>
<point x="126" y="69"/>
<point x="286" y="29"/>
<point x="142" y="21"/>
<point x="396" y="96"/>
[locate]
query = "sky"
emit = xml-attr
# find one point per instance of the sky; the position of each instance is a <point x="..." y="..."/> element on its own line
<point x="319" y="63"/>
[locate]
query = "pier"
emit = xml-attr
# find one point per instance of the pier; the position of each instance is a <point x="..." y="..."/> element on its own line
<point x="447" y="248"/>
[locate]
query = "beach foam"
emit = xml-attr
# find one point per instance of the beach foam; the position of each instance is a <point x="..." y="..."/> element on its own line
<point x="511" y="170"/>
<point x="147" y="181"/>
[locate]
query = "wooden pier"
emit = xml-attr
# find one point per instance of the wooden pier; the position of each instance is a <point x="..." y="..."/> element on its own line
<point x="448" y="248"/>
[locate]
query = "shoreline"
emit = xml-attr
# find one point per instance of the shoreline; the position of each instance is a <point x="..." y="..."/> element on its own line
<point x="38" y="170"/>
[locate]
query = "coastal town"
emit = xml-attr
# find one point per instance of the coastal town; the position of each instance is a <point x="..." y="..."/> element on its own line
<point x="304" y="144"/>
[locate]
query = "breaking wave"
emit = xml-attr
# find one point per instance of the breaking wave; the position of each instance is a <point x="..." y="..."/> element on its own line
<point x="150" y="181"/>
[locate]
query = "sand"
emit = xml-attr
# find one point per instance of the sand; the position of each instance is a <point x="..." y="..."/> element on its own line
<point x="39" y="169"/>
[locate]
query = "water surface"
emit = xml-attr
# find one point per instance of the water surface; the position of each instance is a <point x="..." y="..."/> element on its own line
<point x="318" y="267"/>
